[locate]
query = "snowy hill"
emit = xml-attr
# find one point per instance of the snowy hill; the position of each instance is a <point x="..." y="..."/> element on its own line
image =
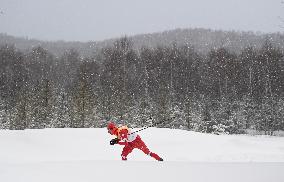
<point x="69" y="155"/>
<point x="202" y="39"/>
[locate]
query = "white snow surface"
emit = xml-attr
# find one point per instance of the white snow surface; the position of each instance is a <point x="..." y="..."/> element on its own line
<point x="84" y="155"/>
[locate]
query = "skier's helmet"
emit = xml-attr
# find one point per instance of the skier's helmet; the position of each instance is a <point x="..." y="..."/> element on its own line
<point x="111" y="125"/>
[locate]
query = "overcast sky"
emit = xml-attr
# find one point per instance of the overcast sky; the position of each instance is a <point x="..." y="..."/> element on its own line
<point x="84" y="20"/>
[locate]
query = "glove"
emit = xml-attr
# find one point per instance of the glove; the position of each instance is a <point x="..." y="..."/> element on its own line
<point x="114" y="141"/>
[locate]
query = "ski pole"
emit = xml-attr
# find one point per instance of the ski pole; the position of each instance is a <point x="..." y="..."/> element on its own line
<point x="146" y="127"/>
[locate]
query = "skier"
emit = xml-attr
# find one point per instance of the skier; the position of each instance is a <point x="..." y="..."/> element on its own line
<point x="129" y="140"/>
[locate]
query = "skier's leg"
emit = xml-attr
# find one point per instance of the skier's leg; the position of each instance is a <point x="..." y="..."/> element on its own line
<point x="127" y="149"/>
<point x="142" y="146"/>
<point x="155" y="156"/>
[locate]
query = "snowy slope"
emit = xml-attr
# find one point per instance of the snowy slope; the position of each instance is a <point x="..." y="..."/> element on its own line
<point x="85" y="155"/>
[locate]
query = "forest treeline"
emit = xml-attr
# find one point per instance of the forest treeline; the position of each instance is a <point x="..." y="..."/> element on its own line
<point x="216" y="92"/>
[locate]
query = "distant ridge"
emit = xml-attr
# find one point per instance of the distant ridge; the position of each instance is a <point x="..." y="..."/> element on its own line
<point x="202" y="39"/>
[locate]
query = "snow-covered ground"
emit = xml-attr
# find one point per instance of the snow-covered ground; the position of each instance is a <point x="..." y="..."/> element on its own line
<point x="83" y="155"/>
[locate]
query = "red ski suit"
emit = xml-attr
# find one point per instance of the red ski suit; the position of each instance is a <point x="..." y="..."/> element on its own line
<point x="131" y="141"/>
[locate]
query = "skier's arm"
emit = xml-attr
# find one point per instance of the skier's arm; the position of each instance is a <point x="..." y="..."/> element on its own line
<point x="117" y="141"/>
<point x="123" y="135"/>
<point x="122" y="138"/>
<point x="122" y="143"/>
